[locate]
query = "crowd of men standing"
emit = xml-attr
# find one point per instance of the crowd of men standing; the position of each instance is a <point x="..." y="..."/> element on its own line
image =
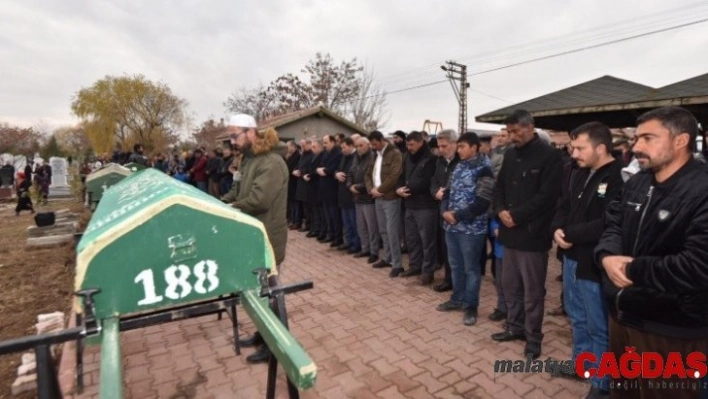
<point x="443" y="199"/>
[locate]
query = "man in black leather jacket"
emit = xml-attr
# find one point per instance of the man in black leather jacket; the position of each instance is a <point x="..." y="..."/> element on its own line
<point x="654" y="250"/>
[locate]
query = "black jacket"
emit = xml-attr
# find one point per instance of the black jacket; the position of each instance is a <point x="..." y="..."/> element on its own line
<point x="664" y="227"/>
<point x="302" y="185"/>
<point x="356" y="177"/>
<point x="419" y="169"/>
<point x="581" y="214"/>
<point x="329" y="186"/>
<point x="528" y="186"/>
<point x="313" y="186"/>
<point x="346" y="199"/>
<point x="293" y="162"/>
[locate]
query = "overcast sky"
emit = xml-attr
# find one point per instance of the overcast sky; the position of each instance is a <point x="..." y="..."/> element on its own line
<point x="204" y="50"/>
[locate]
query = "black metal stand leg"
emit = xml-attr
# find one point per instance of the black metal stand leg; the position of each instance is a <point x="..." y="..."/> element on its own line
<point x="218" y="316"/>
<point x="234" y="325"/>
<point x="79" y="360"/>
<point x="282" y="312"/>
<point x="47" y="382"/>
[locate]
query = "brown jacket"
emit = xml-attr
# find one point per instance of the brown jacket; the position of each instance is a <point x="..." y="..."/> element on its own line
<point x="391" y="169"/>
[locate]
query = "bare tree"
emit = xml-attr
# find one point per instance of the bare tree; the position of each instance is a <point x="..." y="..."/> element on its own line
<point x="346" y="88"/>
<point x="368" y="108"/>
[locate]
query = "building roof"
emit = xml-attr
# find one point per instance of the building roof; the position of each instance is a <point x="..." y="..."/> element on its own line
<point x="613" y="101"/>
<point x="604" y="90"/>
<point x="291" y="117"/>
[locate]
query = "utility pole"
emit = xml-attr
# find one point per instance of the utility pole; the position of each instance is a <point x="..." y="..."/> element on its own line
<point x="457" y="72"/>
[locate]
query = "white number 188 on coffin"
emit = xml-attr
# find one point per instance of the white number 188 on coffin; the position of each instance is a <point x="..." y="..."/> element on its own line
<point x="177" y="279"/>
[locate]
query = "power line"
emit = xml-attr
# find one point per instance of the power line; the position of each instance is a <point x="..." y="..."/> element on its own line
<point x="597" y="33"/>
<point x="590" y="47"/>
<point x="540" y="59"/>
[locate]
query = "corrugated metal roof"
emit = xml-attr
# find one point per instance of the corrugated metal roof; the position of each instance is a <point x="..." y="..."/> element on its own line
<point x="604" y="91"/>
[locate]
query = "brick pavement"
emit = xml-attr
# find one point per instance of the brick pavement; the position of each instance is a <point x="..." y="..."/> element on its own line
<point x="370" y="336"/>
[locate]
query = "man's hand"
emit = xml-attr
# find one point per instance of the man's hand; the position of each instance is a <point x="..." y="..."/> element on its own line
<point x="439" y="194"/>
<point x="297" y="173"/>
<point x="306" y="177"/>
<point x="559" y="238"/>
<point x="375" y="193"/>
<point x="449" y="217"/>
<point x="353" y="189"/>
<point x="616" y="266"/>
<point x="341" y="177"/>
<point x="505" y="217"/>
<point x="321" y="171"/>
<point x="403" y="192"/>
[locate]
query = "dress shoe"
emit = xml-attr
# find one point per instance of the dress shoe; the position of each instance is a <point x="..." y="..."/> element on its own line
<point x="372" y="259"/>
<point x="336" y="243"/>
<point x="396" y="272"/>
<point x="559" y="311"/>
<point x="507" y="335"/>
<point x="448" y="306"/>
<point x="294" y="227"/>
<point x="310" y="234"/>
<point x="303" y="229"/>
<point x="426" y="279"/>
<point x="324" y="239"/>
<point x="533" y="349"/>
<point x="254" y="340"/>
<point x="442" y="287"/>
<point x="343" y="247"/>
<point x="411" y="273"/>
<point x="381" y="264"/>
<point x="352" y="251"/>
<point x="470" y="317"/>
<point x="361" y="255"/>
<point x="262" y="355"/>
<point x="497" y="315"/>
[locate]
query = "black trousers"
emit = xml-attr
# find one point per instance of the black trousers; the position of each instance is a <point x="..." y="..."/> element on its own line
<point x="334" y="222"/>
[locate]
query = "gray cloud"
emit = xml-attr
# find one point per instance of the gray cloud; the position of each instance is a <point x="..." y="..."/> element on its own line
<point x="205" y="50"/>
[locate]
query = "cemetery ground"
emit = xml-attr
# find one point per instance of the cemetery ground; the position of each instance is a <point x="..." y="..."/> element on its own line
<point x="32" y="282"/>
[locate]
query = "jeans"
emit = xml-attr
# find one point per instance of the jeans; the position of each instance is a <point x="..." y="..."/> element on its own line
<point x="463" y="252"/>
<point x="588" y="316"/>
<point x="226" y="185"/>
<point x="351" y="236"/>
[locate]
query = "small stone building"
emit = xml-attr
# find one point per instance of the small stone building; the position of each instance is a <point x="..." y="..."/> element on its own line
<point x="315" y="121"/>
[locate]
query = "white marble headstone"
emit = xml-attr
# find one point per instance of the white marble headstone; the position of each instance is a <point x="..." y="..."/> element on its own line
<point x="59" y="171"/>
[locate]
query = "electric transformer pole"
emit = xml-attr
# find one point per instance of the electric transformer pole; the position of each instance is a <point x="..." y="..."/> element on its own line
<point x="458" y="73"/>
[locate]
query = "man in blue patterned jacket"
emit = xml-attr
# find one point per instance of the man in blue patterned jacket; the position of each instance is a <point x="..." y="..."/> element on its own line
<point x="465" y="205"/>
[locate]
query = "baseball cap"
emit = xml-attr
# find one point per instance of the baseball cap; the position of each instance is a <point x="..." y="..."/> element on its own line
<point x="242" y="120"/>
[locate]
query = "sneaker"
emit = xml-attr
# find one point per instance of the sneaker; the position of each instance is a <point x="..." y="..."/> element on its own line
<point x="448" y="306"/>
<point x="470" y="317"/>
<point x="498" y="315"/>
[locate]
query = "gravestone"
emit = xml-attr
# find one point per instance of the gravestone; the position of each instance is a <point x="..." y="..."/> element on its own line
<point x="59" y="186"/>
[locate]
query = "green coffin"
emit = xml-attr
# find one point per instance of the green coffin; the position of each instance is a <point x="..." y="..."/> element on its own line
<point x="154" y="242"/>
<point x="101" y="180"/>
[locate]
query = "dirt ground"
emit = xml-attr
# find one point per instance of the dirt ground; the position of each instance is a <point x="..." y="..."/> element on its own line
<point x="31" y="281"/>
